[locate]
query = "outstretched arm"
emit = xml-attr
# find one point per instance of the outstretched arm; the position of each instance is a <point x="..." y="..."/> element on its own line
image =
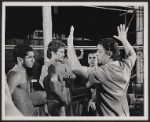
<point x="122" y="36"/>
<point x="73" y="59"/>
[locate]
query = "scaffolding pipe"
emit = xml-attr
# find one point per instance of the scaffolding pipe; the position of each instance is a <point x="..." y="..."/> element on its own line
<point x="139" y="41"/>
<point x="47" y="29"/>
<point x="114" y="9"/>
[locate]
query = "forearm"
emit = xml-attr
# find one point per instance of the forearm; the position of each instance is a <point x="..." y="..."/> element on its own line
<point x="75" y="64"/>
<point x="72" y="58"/>
<point x="88" y="84"/>
<point x="59" y="95"/>
<point x="128" y="48"/>
<point x="38" y="97"/>
<point x="93" y="96"/>
<point x="58" y="92"/>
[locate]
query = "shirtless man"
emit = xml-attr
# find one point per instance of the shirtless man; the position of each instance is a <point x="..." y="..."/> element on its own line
<point x="52" y="79"/>
<point x="10" y="108"/>
<point x="18" y="80"/>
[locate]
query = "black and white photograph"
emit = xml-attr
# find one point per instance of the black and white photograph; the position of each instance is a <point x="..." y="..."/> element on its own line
<point x="74" y="61"/>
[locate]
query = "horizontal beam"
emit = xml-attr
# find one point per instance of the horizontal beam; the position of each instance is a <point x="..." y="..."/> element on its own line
<point x="76" y="47"/>
<point x="114" y="9"/>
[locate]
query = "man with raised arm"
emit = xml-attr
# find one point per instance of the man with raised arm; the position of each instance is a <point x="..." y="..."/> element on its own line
<point x="113" y="76"/>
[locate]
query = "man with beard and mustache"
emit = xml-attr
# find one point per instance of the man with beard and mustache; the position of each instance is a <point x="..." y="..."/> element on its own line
<point x="18" y="80"/>
<point x="52" y="80"/>
<point x="113" y="76"/>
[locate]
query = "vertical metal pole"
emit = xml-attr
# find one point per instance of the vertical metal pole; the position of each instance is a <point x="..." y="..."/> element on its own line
<point x="139" y="41"/>
<point x="125" y="19"/>
<point x="47" y="29"/>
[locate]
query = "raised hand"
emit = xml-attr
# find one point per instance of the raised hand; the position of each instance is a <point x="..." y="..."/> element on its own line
<point x="122" y="32"/>
<point x="70" y="38"/>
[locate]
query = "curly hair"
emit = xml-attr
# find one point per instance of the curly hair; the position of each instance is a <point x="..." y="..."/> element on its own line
<point x="21" y="51"/>
<point x="54" y="46"/>
<point x="110" y="44"/>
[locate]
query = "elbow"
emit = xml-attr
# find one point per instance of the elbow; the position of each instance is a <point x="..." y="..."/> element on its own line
<point x="75" y="69"/>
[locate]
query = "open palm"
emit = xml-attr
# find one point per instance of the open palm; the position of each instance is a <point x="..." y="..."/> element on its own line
<point x="122" y="32"/>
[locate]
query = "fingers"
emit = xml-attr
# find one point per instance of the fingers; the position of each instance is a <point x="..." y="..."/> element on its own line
<point x="127" y="29"/>
<point x="115" y="36"/>
<point x="122" y="28"/>
<point x="71" y="30"/>
<point x="81" y="50"/>
<point x="70" y="38"/>
<point x="118" y="29"/>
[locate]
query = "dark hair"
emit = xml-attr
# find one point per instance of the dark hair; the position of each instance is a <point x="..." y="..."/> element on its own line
<point x="92" y="52"/>
<point x="21" y="51"/>
<point x="110" y="44"/>
<point x="54" y="46"/>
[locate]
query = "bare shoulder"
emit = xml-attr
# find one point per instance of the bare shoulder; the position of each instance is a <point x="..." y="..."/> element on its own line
<point x="14" y="76"/>
<point x="53" y="68"/>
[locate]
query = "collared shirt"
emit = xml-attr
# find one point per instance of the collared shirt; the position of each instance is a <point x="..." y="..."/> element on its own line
<point x="111" y="85"/>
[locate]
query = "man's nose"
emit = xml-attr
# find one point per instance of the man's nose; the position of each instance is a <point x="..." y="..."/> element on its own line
<point x="92" y="59"/>
<point x="33" y="59"/>
<point x="63" y="54"/>
<point x="97" y="54"/>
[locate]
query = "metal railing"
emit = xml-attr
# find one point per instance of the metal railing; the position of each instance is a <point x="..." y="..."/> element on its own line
<point x="36" y="47"/>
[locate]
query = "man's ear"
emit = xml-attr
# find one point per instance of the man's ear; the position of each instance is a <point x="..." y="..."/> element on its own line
<point x="19" y="59"/>
<point x="52" y="53"/>
<point x="109" y="53"/>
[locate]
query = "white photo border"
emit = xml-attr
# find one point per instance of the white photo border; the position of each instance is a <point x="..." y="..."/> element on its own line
<point x="40" y="4"/>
